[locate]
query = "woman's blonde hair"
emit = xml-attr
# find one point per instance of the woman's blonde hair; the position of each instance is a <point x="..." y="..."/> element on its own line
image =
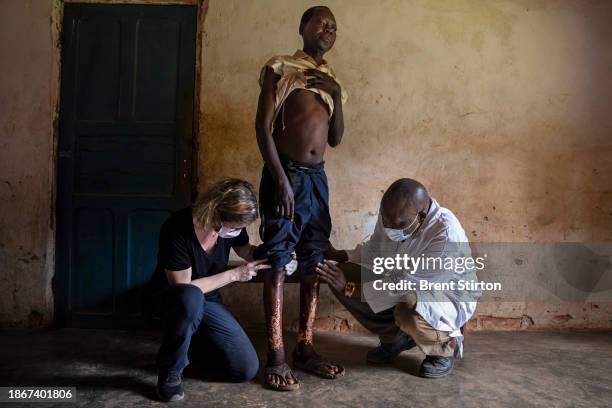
<point x="229" y="200"/>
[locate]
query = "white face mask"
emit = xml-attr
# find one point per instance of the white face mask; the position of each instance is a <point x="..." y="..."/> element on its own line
<point x="225" y="232"/>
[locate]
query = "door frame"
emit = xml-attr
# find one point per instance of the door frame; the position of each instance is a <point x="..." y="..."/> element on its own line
<point x="57" y="19"/>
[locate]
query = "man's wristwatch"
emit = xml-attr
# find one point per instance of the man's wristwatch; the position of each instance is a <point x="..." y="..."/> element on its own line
<point x="349" y="289"/>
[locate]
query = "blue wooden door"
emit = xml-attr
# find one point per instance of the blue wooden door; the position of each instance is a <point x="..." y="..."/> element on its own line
<point x="125" y="153"/>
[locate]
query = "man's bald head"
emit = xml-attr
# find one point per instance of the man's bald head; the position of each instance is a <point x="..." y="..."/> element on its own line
<point x="402" y="201"/>
<point x="407" y="192"/>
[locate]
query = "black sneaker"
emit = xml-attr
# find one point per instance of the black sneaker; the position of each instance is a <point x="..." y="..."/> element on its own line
<point x="170" y="386"/>
<point x="385" y="353"/>
<point x="436" y="367"/>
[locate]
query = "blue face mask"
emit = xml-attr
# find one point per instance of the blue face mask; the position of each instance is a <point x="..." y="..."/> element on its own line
<point x="397" y="234"/>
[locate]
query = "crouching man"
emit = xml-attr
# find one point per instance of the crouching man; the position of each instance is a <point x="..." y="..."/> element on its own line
<point x="410" y="223"/>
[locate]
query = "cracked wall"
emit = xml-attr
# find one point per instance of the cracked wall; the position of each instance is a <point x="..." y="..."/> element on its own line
<point x="500" y="108"/>
<point x="26" y="140"/>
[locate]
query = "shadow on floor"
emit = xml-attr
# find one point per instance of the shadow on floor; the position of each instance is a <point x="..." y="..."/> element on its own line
<point x="112" y="368"/>
<point x="101" y="360"/>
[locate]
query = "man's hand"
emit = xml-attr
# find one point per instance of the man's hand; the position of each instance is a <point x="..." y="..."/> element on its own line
<point x="330" y="273"/>
<point x="284" y="199"/>
<point x="323" y="82"/>
<point x="244" y="273"/>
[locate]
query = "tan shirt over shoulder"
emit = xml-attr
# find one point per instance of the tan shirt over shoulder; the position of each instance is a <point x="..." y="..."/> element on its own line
<point x="291" y="70"/>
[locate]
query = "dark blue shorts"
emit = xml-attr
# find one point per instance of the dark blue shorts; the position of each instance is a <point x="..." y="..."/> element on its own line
<point x="308" y="234"/>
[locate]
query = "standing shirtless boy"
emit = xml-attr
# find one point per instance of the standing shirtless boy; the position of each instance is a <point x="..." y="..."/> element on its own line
<point x="299" y="112"/>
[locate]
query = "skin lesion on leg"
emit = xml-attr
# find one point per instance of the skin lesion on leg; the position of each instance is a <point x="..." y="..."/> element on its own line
<point x="304" y="355"/>
<point x="273" y="307"/>
<point x="309" y="295"/>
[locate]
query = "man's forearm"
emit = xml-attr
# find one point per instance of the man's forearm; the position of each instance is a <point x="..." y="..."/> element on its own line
<point x="341" y="256"/>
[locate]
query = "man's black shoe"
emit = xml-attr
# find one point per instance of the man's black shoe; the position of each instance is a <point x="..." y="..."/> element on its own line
<point x="436" y="367"/>
<point x="170" y="386"/>
<point x="385" y="353"/>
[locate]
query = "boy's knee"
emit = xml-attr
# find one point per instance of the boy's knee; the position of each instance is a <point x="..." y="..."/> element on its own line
<point x="275" y="275"/>
<point x="309" y="280"/>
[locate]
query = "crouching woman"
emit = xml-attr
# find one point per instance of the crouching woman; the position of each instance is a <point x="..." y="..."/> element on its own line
<point x="194" y="246"/>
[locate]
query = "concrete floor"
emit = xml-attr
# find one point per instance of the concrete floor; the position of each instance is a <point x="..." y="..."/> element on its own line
<point x="524" y="369"/>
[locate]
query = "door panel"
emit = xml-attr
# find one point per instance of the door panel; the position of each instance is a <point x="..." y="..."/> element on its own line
<point x="126" y="164"/>
<point x="93" y="255"/>
<point x="98" y="68"/>
<point x="156" y="70"/>
<point x="142" y="237"/>
<point x="125" y="151"/>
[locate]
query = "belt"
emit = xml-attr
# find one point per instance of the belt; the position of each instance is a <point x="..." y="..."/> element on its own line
<point x="303" y="167"/>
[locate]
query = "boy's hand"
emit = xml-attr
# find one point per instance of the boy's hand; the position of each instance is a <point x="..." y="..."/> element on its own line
<point x="284" y="200"/>
<point x="322" y="81"/>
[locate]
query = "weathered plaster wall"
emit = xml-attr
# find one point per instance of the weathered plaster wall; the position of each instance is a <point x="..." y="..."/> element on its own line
<point x="29" y="89"/>
<point x="500" y="107"/>
<point x="26" y="129"/>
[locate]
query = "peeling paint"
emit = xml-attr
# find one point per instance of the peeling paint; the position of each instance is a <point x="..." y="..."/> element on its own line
<point x="470" y="125"/>
<point x="466" y="102"/>
<point x="501" y="323"/>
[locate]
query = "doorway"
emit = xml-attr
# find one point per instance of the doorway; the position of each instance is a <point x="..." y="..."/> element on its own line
<point x="125" y="149"/>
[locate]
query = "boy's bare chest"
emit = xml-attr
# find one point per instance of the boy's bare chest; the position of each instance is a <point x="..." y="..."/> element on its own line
<point x="301" y="102"/>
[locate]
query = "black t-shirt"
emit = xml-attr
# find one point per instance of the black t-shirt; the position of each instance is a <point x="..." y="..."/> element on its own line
<point x="180" y="249"/>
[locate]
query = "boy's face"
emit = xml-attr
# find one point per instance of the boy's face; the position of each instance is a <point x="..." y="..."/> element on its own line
<point x="320" y="31"/>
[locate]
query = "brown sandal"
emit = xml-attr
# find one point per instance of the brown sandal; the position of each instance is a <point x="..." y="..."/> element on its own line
<point x="282" y="371"/>
<point x="316" y="365"/>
